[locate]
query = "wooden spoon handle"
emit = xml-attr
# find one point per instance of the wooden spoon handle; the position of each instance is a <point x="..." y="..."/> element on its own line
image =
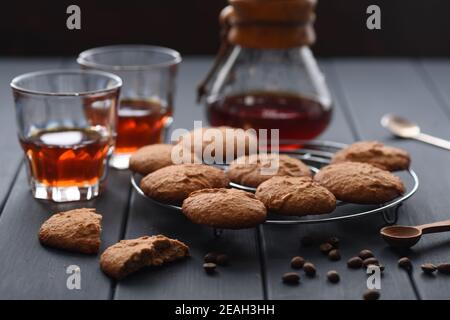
<point x="440" y="226"/>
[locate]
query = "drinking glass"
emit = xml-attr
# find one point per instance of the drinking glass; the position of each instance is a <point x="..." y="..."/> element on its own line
<point x="66" y="121"/>
<point x="146" y="102"/>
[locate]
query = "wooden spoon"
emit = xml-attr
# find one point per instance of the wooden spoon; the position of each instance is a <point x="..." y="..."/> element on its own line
<point x="408" y="236"/>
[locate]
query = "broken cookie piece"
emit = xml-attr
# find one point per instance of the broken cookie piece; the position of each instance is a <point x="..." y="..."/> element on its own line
<point x="128" y="256"/>
<point x="75" y="230"/>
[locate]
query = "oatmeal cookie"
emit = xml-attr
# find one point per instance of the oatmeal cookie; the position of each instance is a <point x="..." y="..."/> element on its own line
<point x="128" y="256"/>
<point x="295" y="196"/>
<point x="360" y="183"/>
<point x="174" y="183"/>
<point x="75" y="230"/>
<point x="249" y="170"/>
<point x="375" y="153"/>
<point x="224" y="208"/>
<point x="156" y="156"/>
<point x="206" y="137"/>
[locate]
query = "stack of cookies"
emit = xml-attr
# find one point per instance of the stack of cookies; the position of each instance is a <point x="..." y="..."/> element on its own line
<point x="201" y="190"/>
<point x="360" y="173"/>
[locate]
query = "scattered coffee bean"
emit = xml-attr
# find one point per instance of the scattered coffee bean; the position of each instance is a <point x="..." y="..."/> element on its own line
<point x="297" y="262"/>
<point x="334" y="241"/>
<point x="222" y="260"/>
<point x="291" y="278"/>
<point x="310" y="269"/>
<point x="307" y="241"/>
<point x="444" y="268"/>
<point x="370" y="261"/>
<point x="428" y="268"/>
<point x="355" y="263"/>
<point x="209" y="267"/>
<point x="371" y="295"/>
<point x="325" y="247"/>
<point x="333" y="276"/>
<point x="365" y="254"/>
<point x="210" y="257"/>
<point x="334" y="255"/>
<point x="381" y="266"/>
<point x="405" y="263"/>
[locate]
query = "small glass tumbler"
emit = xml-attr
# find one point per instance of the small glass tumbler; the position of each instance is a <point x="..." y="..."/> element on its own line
<point x="146" y="103"/>
<point x="66" y="121"/>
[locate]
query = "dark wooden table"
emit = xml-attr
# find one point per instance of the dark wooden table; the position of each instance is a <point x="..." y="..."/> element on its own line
<point x="363" y="91"/>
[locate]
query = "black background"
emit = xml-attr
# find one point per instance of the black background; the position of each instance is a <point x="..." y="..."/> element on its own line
<point x="409" y="27"/>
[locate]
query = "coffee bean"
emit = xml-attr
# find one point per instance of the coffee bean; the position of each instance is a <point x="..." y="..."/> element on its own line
<point x="355" y="263"/>
<point x="333" y="276"/>
<point x="371" y="295"/>
<point x="325" y="247"/>
<point x="428" y="268"/>
<point x="334" y="241"/>
<point x="210" y="257"/>
<point x="444" y="268"/>
<point x="381" y="266"/>
<point x="405" y="263"/>
<point x="291" y="278"/>
<point x="297" y="262"/>
<point x="310" y="269"/>
<point x="307" y="241"/>
<point x="334" y="255"/>
<point x="222" y="260"/>
<point x="365" y="254"/>
<point x="370" y="261"/>
<point x="209" y="267"/>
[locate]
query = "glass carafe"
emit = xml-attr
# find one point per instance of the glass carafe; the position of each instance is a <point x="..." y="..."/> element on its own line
<point x="266" y="83"/>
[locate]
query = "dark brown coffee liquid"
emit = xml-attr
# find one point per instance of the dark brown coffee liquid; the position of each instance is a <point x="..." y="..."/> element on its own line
<point x="296" y="117"/>
<point x="66" y="157"/>
<point x="141" y="122"/>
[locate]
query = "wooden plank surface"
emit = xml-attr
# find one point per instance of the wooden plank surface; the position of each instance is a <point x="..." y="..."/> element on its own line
<point x="281" y="243"/>
<point x="436" y="74"/>
<point x="372" y="88"/>
<point x="363" y="90"/>
<point x="31" y="271"/>
<point x="187" y="279"/>
<point x="27" y="269"/>
<point x="11" y="156"/>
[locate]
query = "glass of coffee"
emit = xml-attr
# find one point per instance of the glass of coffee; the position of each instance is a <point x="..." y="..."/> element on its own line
<point x="66" y="123"/>
<point x="146" y="102"/>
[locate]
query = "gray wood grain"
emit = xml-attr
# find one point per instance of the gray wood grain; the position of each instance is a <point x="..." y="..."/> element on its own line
<point x="187" y="279"/>
<point x="281" y="243"/>
<point x="11" y="155"/>
<point x="372" y="88"/>
<point x="31" y="271"/>
<point x="436" y="74"/>
<point x="363" y="89"/>
<point x="27" y="269"/>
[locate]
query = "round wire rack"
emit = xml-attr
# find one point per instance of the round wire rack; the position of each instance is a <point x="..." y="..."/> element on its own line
<point x="317" y="154"/>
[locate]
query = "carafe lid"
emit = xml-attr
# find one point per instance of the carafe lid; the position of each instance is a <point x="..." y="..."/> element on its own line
<point x="269" y="24"/>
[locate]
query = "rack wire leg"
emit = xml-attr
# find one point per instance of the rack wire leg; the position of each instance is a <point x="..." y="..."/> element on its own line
<point x="390" y="217"/>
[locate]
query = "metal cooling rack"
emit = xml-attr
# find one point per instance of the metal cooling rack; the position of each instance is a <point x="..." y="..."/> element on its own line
<point x="317" y="154"/>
